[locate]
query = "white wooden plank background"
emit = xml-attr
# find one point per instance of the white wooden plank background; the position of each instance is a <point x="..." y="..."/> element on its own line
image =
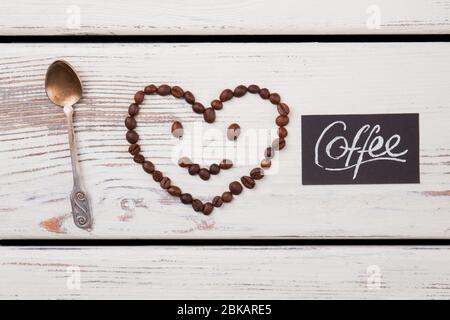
<point x="50" y="17"/>
<point x="405" y="272"/>
<point x="312" y="78"/>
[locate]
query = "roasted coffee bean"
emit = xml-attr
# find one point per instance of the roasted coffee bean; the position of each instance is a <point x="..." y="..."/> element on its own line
<point x="207" y="208"/>
<point x="194" y="169"/>
<point x="275" y="98"/>
<point x="134" y="149"/>
<point x="184" y="162"/>
<point x="133" y="109"/>
<point x="226" y="164"/>
<point x="253" y="88"/>
<point x="148" y="167"/>
<point x="269" y="153"/>
<point x="235" y="187"/>
<point x="266" y="163"/>
<point x="186" y="198"/>
<point x="189" y="97"/>
<point x="214" y="168"/>
<point x="240" y="91"/>
<point x="177" y="92"/>
<point x="151" y="89"/>
<point x="282" y="132"/>
<point x="139" y="158"/>
<point x="233" y="131"/>
<point x="264" y="93"/>
<point x="217" y="201"/>
<point x="204" y="174"/>
<point x="283" y="109"/>
<point x="164" y="90"/>
<point x="130" y="123"/>
<point x="282" y="121"/>
<point x="165" y="183"/>
<point x="278" y="144"/>
<point x="139" y="97"/>
<point x="227" y="196"/>
<point x="174" y="191"/>
<point x="209" y="115"/>
<point x="157" y="175"/>
<point x="248" y="182"/>
<point x="257" y="174"/>
<point x="132" y="136"/>
<point x="197" y="107"/>
<point x="226" y="95"/>
<point x="177" y="129"/>
<point x="197" y="205"/>
<point x="217" y="104"/>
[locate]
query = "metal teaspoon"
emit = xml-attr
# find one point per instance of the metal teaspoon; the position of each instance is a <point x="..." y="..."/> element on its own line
<point x="63" y="88"/>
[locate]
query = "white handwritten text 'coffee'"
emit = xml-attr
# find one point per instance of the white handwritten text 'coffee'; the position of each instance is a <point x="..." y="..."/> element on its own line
<point x="369" y="149"/>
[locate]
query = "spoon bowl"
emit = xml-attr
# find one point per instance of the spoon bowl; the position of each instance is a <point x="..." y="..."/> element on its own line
<point x="62" y="84"/>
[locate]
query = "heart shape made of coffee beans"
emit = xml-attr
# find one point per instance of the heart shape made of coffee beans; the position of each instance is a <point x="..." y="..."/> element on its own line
<point x="209" y="115"/>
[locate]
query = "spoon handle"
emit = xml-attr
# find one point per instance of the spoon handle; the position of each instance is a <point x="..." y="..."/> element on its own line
<point x="78" y="198"/>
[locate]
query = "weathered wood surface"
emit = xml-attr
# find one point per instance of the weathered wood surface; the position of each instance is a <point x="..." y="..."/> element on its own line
<point x="56" y="17"/>
<point x="35" y="177"/>
<point x="399" y="272"/>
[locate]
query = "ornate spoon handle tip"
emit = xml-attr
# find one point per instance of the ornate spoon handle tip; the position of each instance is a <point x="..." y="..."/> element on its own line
<point x="80" y="209"/>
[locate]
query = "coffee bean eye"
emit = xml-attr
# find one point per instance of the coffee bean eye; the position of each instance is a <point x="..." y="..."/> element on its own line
<point x="209" y="115"/>
<point x="177" y="129"/>
<point x="233" y="131"/>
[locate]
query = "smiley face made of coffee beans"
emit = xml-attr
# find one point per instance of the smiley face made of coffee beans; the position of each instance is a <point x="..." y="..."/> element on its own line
<point x="209" y="115"/>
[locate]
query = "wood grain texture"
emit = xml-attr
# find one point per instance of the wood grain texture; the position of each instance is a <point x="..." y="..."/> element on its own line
<point x="35" y="177"/>
<point x="225" y="272"/>
<point x="79" y="17"/>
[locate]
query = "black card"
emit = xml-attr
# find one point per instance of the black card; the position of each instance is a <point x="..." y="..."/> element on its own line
<point x="360" y="149"/>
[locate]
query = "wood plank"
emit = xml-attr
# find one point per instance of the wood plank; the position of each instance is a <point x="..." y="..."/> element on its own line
<point x="151" y="17"/>
<point x="313" y="78"/>
<point x="399" y="272"/>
